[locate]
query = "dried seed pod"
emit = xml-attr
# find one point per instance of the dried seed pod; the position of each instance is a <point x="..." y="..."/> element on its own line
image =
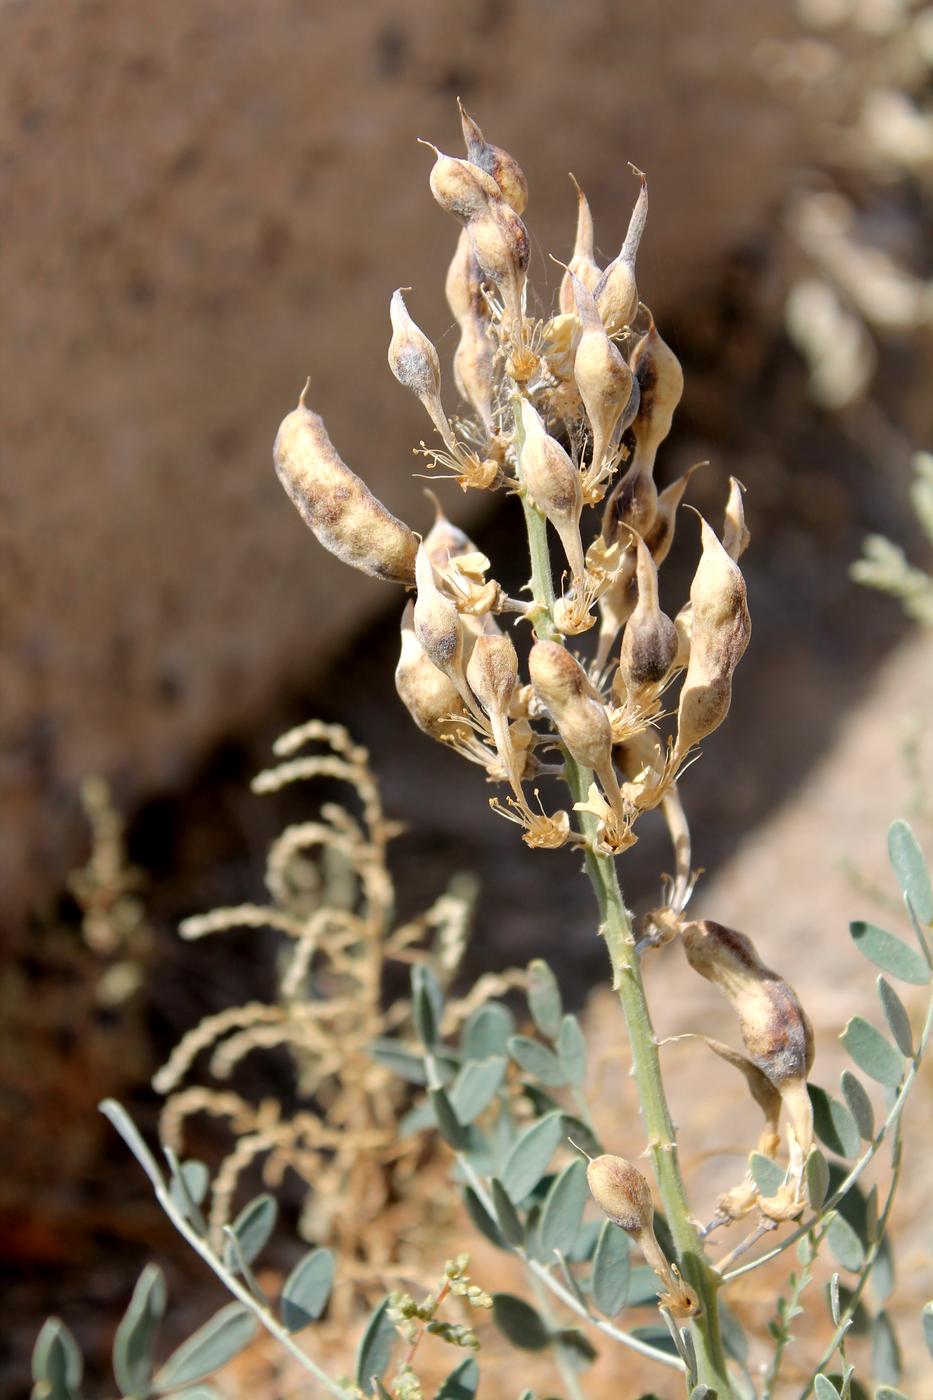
<point x="492" y="672"/>
<point x="429" y="696"/>
<point x="553" y="483"/>
<point x="437" y="622"/>
<point x="445" y="540"/>
<point x="736" y="536"/>
<point x="649" y="644"/>
<point x="660" y="537"/>
<point x="413" y="360"/>
<point x="500" y="245"/>
<point x="503" y="168"/>
<point x="616" y="291"/>
<point x="623" y="1194"/>
<point x="775" y="1029"/>
<point x="460" y="187"/>
<point x="582" y="264"/>
<point x="607" y="387"/>
<point x="661" y="381"/>
<point x="336" y="505"/>
<point x="632" y="504"/>
<point x="719" y="631"/>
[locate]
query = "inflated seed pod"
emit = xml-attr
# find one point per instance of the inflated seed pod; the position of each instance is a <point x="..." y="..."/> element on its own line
<point x="736" y="536"/>
<point x="437" y="623"/>
<point x="413" y="360"/>
<point x="719" y="631"/>
<point x="660" y="536"/>
<point x="336" y="505"/>
<point x="775" y="1029"/>
<point x="607" y="387"/>
<point x="624" y="1196"/>
<point x="582" y="264"/>
<point x="616" y="292"/>
<point x="500" y="245"/>
<point x="649" y="643"/>
<point x="503" y="168"/>
<point x="429" y="696"/>
<point x="492" y="672"/>
<point x="661" y="381"/>
<point x="580" y="717"/>
<point x="553" y="483"/>
<point x="460" y="187"/>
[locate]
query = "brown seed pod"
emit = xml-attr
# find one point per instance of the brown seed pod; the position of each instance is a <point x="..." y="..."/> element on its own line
<point x="649" y="643"/>
<point x="492" y="672"/>
<point x="500" y="245"/>
<point x="460" y="187"/>
<point x="582" y="264"/>
<point x="428" y="695"/>
<point x="503" y="168"/>
<point x="719" y="631"/>
<point x="736" y="536"/>
<point x="607" y="387"/>
<point x="336" y="505"/>
<point x="553" y="483"/>
<point x="775" y="1029"/>
<point x="661" y="381"/>
<point x="616" y="292"/>
<point x="623" y="1194"/>
<point x="437" y="622"/>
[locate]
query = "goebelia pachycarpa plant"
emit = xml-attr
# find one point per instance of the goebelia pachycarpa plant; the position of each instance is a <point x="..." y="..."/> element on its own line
<point x="568" y="412"/>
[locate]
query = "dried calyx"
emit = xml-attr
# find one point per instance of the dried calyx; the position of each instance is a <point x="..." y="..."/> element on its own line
<point x="563" y="411"/>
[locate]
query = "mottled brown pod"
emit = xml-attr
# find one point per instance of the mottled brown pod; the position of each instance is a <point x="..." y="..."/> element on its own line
<point x="503" y="168"/>
<point x="429" y="696"/>
<point x="649" y="643"/>
<point x="336" y="505"/>
<point x="616" y="292"/>
<point x="553" y="483"/>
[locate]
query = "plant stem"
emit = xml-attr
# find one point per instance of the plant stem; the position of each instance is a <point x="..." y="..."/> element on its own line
<point x="646" y="1064"/>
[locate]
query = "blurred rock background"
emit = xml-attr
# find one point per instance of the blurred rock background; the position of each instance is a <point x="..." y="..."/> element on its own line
<point x="200" y="211"/>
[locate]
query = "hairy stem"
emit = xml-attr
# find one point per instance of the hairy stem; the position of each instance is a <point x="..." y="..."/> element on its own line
<point x="646" y="1065"/>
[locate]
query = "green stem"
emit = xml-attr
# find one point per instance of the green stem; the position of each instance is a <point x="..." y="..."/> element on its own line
<point x="646" y="1068"/>
<point x="646" y="1064"/>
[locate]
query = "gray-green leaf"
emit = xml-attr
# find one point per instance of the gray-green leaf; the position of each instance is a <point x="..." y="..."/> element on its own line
<point x="212" y="1346"/>
<point x="449" y="1126"/>
<point x="890" y="953"/>
<point x="563" y="1210"/>
<point x="400" y="1061"/>
<point x="571" y="1047"/>
<point x="910" y="868"/>
<point x="518" y="1321"/>
<point x="487" y="1031"/>
<point x="307" y="1289"/>
<point x="856" y="1096"/>
<point x="57" y="1364"/>
<point x="885" y="1352"/>
<point x="481" y="1218"/>
<point x="134" y="1343"/>
<point x="874" y="1055"/>
<point x="835" y="1127"/>
<point x="252" y="1228"/>
<point x="529" y="1157"/>
<point x="612" y="1268"/>
<point x="475" y="1087"/>
<point x="768" y="1175"/>
<point x="895" y="1013"/>
<point x="192" y="1188"/>
<point x="817" y="1176"/>
<point x="461" y="1383"/>
<point x="544" y="1001"/>
<point x="509" y="1220"/>
<point x="927" y="1320"/>
<point x="824" y="1388"/>
<point x="375" y="1349"/>
<point x="845" y="1244"/>
<point x="882" y="1274"/>
<point x="427" y="1004"/>
<point x="537" y="1060"/>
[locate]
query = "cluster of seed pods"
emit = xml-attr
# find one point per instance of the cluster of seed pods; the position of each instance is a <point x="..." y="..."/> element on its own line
<point x="568" y="411"/>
